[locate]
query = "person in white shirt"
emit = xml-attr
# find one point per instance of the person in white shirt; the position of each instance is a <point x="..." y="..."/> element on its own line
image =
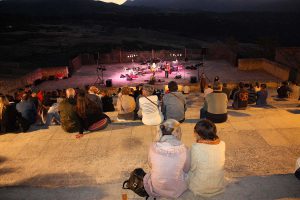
<point x="206" y="176"/>
<point x="149" y="107"/>
<point x="207" y="90"/>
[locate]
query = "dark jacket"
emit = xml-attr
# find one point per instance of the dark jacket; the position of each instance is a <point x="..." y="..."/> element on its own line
<point x="107" y="103"/>
<point x="262" y="98"/>
<point x="252" y="96"/>
<point x="28" y="110"/>
<point x="283" y="91"/>
<point x="96" y="99"/>
<point x="68" y="116"/>
<point x="8" y="123"/>
<point x="240" y="99"/>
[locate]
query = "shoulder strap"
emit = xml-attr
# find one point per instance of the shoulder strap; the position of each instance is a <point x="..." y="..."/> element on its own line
<point x="152" y="102"/>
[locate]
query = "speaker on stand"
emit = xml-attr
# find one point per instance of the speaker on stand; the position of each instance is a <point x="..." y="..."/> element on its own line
<point x="108" y="83"/>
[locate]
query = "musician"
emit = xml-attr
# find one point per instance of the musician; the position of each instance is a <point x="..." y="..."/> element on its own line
<point x="167" y="70"/>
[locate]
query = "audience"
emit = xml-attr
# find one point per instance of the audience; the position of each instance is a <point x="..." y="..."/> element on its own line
<point x="206" y="177"/>
<point x="297" y="169"/>
<point x="169" y="162"/>
<point x="257" y="87"/>
<point x="107" y="102"/>
<point x="149" y="107"/>
<point x="93" y="95"/>
<point x="67" y="111"/>
<point x="240" y="98"/>
<point x="174" y="103"/>
<point x="251" y="93"/>
<point x="226" y="90"/>
<point x="125" y="105"/>
<point x="215" y="105"/>
<point x="27" y="109"/>
<point x="284" y="90"/>
<point x="90" y="115"/>
<point x="8" y="116"/>
<point x="262" y="96"/>
<point x="207" y="90"/>
<point x="295" y="91"/>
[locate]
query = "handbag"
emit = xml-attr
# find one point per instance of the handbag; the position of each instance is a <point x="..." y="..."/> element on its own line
<point x="135" y="183"/>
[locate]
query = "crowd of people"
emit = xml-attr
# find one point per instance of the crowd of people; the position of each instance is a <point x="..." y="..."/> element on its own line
<point x="174" y="168"/>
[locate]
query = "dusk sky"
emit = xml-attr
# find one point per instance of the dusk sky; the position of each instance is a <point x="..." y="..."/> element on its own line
<point x="115" y="1"/>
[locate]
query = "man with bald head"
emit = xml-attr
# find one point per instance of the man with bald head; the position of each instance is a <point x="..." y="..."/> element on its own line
<point x="67" y="111"/>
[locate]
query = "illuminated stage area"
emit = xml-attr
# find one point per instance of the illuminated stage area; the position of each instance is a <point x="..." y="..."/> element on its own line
<point x="87" y="75"/>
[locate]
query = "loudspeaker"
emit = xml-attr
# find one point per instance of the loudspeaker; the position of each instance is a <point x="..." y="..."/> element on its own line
<point x="108" y="83"/>
<point x="193" y="79"/>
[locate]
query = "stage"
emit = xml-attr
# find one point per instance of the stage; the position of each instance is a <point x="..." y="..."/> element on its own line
<point x="87" y="75"/>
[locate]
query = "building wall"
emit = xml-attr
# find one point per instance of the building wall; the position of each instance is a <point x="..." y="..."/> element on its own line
<point x="277" y="70"/>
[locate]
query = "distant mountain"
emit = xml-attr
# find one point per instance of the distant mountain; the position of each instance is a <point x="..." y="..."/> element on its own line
<point x="56" y="7"/>
<point x="218" y="5"/>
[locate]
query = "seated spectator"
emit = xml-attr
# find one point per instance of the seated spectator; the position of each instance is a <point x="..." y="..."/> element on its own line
<point x="169" y="161"/>
<point x="262" y="96"/>
<point x="226" y="90"/>
<point x="186" y="89"/>
<point x="174" y="103"/>
<point x="207" y="90"/>
<point x="8" y="116"/>
<point x="53" y="116"/>
<point x="284" y="90"/>
<point x="257" y="87"/>
<point x="90" y="115"/>
<point x="67" y="111"/>
<point x="215" y="105"/>
<point x="297" y="169"/>
<point x="240" y="98"/>
<point x="93" y="96"/>
<point x="216" y="79"/>
<point x="107" y="102"/>
<point x="295" y="91"/>
<point x="206" y="177"/>
<point x="149" y="107"/>
<point x="125" y="105"/>
<point x="251" y="93"/>
<point x="27" y="109"/>
<point x="137" y="92"/>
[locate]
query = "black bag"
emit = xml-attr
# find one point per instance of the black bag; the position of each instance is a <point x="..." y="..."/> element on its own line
<point x="135" y="183"/>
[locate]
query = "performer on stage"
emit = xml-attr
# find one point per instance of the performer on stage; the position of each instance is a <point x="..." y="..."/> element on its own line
<point x="167" y="70"/>
<point x="202" y="82"/>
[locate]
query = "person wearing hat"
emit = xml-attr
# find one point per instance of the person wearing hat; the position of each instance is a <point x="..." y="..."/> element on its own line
<point x="169" y="160"/>
<point x="215" y="105"/>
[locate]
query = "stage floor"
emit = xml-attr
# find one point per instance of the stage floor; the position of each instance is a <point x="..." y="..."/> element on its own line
<point x="87" y="75"/>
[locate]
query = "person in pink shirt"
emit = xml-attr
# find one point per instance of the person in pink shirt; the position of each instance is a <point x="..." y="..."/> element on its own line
<point x="169" y="161"/>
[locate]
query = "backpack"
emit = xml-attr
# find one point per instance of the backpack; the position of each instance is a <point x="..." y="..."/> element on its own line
<point x="135" y="183"/>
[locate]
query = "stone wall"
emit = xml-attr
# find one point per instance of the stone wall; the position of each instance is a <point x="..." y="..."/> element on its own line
<point x="288" y="56"/>
<point x="275" y="69"/>
<point x="8" y="86"/>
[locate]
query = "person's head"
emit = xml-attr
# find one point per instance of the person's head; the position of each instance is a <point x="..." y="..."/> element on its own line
<point x="70" y="93"/>
<point x="125" y="91"/>
<point x="25" y="97"/>
<point x="3" y="104"/>
<point x="217" y="78"/>
<point x="93" y="90"/>
<point x="169" y="127"/>
<point x="257" y="84"/>
<point x="173" y="86"/>
<point x="205" y="130"/>
<point x="104" y="92"/>
<point x="263" y="86"/>
<point x="224" y="85"/>
<point x="241" y="85"/>
<point x="247" y="85"/>
<point x="148" y="90"/>
<point x="284" y="83"/>
<point x="217" y="86"/>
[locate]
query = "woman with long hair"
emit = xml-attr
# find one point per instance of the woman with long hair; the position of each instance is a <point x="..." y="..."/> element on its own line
<point x="90" y="115"/>
<point x="9" y="116"/>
